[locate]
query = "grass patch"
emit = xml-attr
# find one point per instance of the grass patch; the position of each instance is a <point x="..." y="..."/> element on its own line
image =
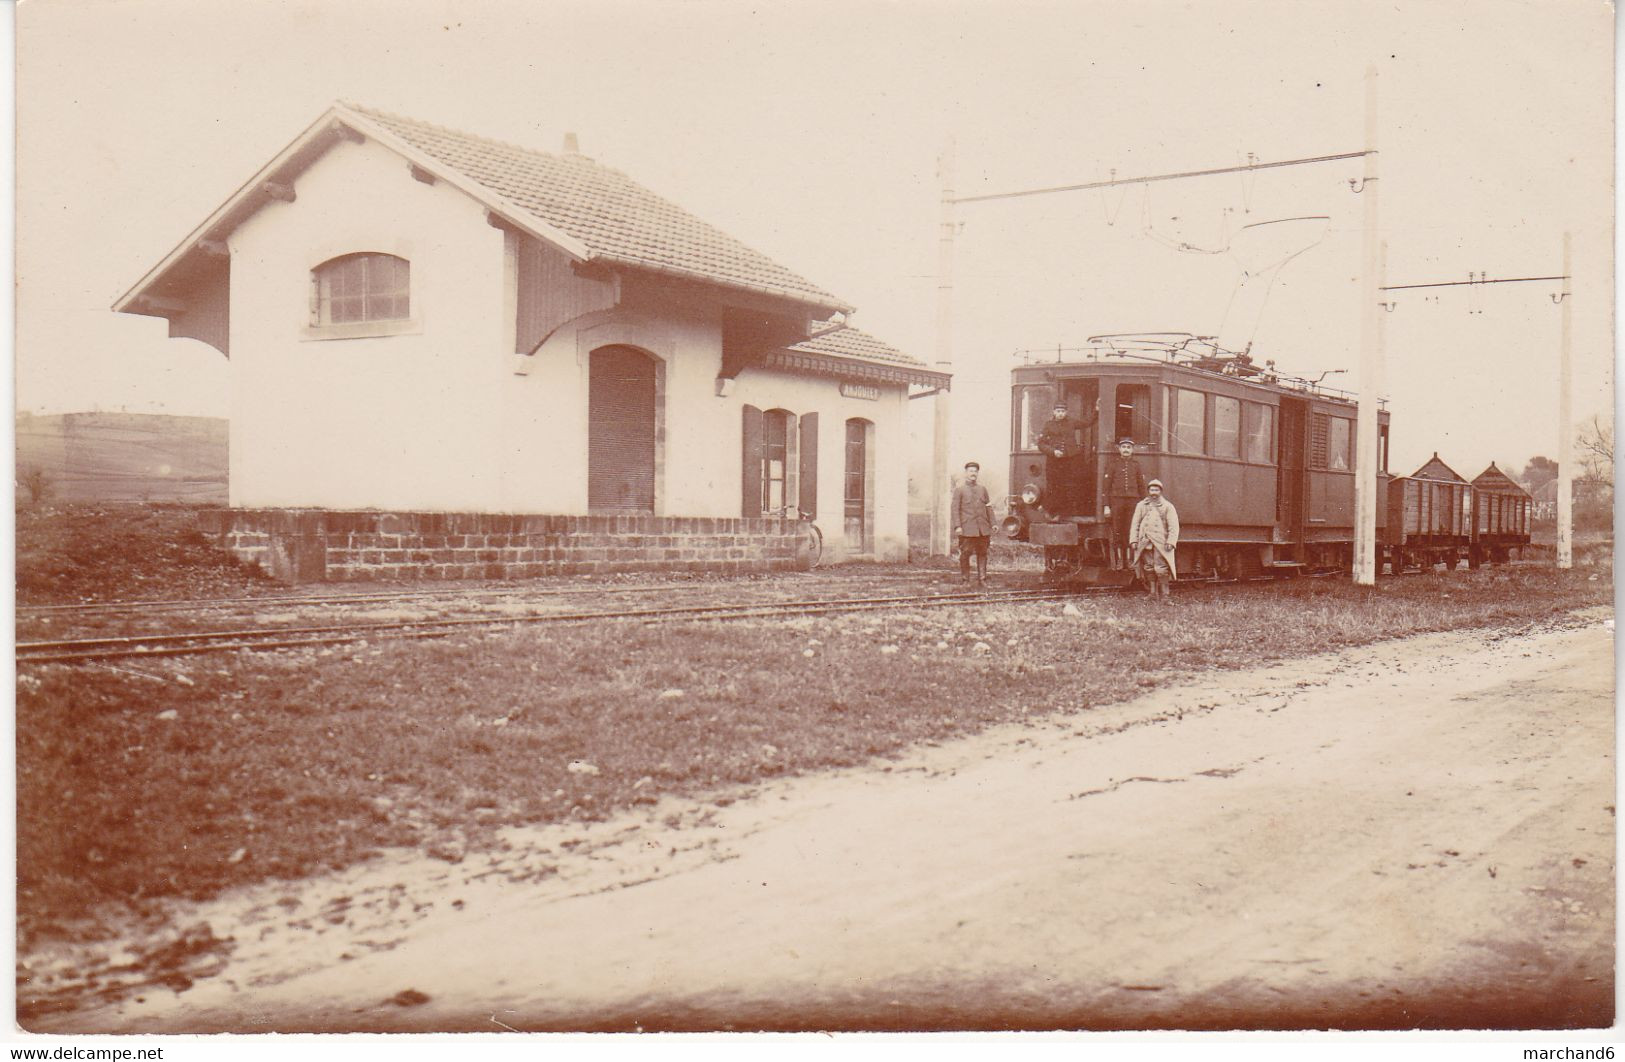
<point x="156" y="779"/>
<point x="83" y="553"/>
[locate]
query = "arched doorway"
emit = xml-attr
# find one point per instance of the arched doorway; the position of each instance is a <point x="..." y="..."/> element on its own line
<point x="622" y="429"/>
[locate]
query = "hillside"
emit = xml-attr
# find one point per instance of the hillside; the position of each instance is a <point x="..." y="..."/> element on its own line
<point x="113" y="457"/>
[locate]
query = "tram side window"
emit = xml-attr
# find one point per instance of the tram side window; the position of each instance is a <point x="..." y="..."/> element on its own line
<point x="1337" y="444"/>
<point x="1133" y="419"/>
<point x="1190" y="409"/>
<point x="1226" y="427"/>
<point x="1260" y="429"/>
<point x="1033" y="406"/>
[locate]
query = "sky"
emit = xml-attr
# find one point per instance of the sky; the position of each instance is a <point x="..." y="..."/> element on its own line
<point x="812" y="131"/>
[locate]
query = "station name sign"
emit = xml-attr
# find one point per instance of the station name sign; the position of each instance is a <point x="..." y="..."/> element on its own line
<point x="864" y="391"/>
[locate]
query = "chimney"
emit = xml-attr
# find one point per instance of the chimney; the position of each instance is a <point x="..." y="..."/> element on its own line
<point x="571" y="147"/>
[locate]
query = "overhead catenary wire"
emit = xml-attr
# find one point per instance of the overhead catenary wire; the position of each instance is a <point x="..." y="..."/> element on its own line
<point x="1471" y="282"/>
<point x="1114" y="182"/>
<point x="1474" y="281"/>
<point x="1272" y="273"/>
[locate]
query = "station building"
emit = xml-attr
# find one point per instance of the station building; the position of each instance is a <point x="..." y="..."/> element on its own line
<point x="453" y="357"/>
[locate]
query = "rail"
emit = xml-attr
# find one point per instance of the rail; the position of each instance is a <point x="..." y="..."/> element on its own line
<point x="265" y="638"/>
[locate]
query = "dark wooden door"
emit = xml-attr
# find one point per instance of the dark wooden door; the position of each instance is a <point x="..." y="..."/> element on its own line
<point x="1289" y="491"/>
<point x="621" y="431"/>
<point x="857" y="485"/>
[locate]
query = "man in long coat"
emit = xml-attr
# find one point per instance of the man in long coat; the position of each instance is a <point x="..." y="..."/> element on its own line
<point x="1155" y="535"/>
<point x="971" y="517"/>
<point x="1065" y="443"/>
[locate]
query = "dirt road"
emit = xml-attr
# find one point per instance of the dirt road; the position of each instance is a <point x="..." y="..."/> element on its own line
<point x="1412" y="834"/>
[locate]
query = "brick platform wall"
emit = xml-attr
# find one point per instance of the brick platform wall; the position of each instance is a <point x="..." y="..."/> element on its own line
<point x="317" y="545"/>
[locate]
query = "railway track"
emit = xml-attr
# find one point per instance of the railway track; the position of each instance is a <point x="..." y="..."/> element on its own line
<point x="316" y="636"/>
<point x="270" y="638"/>
<point x="218" y="604"/>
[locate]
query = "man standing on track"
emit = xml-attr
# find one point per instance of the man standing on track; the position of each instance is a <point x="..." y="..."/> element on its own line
<point x="1122" y="486"/>
<point x="972" y="519"/>
<point x="1156" y="535"/>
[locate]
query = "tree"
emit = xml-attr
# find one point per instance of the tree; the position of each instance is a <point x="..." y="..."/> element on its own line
<point x="1539" y="472"/>
<point x="1596" y="441"/>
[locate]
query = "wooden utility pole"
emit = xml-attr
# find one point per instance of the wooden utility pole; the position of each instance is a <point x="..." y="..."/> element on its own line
<point x="1565" y="423"/>
<point x="940" y="528"/>
<point x="1365" y="461"/>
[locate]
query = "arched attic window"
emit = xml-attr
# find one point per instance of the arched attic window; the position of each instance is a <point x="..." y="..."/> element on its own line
<point x="360" y="288"/>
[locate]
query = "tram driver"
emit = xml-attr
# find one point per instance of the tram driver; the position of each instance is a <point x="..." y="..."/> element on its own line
<point x="1066" y="445"/>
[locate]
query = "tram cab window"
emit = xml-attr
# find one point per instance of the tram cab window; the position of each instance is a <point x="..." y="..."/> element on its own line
<point x="1337" y="445"/>
<point x="1133" y="418"/>
<point x="1260" y="431"/>
<point x="1329" y="443"/>
<point x="1190" y="413"/>
<point x="1033" y="406"/>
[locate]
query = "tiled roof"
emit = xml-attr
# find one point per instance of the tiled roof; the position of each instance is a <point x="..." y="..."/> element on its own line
<point x="1492" y="478"/>
<point x="854" y="343"/>
<point x="1437" y="469"/>
<point x="613" y="216"/>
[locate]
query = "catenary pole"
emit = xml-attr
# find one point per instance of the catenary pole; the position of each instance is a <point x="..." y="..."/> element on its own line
<point x="940" y="421"/>
<point x="1565" y="425"/>
<point x="1365" y="463"/>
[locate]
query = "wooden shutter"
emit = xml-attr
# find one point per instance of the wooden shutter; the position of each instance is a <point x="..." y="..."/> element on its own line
<point x="750" y="460"/>
<point x="808" y="499"/>
<point x="1318" y="429"/>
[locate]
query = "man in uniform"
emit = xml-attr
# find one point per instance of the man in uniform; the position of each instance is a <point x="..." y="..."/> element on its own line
<point x="972" y="518"/>
<point x="1063" y="442"/>
<point x="1122" y="486"/>
<point x="1156" y="537"/>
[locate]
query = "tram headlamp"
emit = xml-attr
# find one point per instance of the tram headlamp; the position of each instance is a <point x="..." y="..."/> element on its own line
<point x="1014" y="527"/>
<point x="1030" y="494"/>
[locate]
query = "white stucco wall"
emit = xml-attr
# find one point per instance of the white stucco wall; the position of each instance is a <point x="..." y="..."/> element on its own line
<point x="545" y="428"/>
<point x="545" y="433"/>
<point x="390" y="422"/>
<point x="822" y="395"/>
<point x="438" y="418"/>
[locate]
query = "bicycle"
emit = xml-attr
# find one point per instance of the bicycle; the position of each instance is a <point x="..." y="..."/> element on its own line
<point x="812" y="536"/>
